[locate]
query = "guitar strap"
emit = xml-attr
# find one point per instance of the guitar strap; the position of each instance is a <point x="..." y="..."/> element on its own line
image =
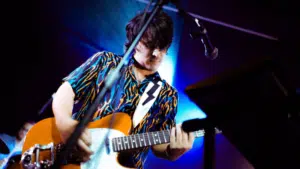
<point x="149" y="96"/>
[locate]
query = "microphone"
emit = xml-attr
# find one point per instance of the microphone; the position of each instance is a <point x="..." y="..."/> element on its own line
<point x="211" y="52"/>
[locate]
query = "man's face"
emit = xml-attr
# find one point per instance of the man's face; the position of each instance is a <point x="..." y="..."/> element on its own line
<point x="23" y="131"/>
<point x="147" y="58"/>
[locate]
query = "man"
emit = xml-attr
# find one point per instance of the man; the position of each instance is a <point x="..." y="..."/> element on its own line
<point x="81" y="86"/>
<point x="11" y="146"/>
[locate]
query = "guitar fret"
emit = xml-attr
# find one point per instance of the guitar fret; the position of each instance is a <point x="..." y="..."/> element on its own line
<point x="120" y="142"/>
<point x="122" y="147"/>
<point x="127" y="142"/>
<point x="153" y="138"/>
<point x="163" y="133"/>
<point x="144" y="140"/>
<point x="139" y="140"/>
<point x="124" y="143"/>
<point x="168" y="135"/>
<point x="136" y="142"/>
<point x="131" y="141"/>
<point x="149" y="139"/>
<point x="114" y="144"/>
<point x="158" y="137"/>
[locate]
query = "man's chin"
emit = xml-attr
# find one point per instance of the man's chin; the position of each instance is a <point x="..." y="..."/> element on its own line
<point x="153" y="68"/>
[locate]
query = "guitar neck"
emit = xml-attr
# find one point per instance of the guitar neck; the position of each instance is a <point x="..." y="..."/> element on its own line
<point x="145" y="139"/>
<point x="140" y="140"/>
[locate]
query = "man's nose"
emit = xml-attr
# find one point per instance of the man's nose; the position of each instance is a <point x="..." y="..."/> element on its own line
<point x="156" y="52"/>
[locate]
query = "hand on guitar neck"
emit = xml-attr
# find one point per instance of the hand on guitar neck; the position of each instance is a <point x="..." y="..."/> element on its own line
<point x="67" y="127"/>
<point x="180" y="141"/>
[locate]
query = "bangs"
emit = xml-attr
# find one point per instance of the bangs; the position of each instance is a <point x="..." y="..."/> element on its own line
<point x="158" y="35"/>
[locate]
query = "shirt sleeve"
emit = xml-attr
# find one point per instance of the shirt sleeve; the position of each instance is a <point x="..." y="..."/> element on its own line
<point x="85" y="76"/>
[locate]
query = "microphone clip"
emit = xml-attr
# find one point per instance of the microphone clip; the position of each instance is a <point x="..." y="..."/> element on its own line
<point x="211" y="52"/>
<point x="200" y="32"/>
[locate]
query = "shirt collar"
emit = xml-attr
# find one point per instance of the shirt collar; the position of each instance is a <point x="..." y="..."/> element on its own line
<point x="154" y="76"/>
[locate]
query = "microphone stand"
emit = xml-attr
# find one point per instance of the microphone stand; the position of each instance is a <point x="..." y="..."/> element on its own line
<point x="108" y="82"/>
<point x="209" y="145"/>
<point x="209" y="129"/>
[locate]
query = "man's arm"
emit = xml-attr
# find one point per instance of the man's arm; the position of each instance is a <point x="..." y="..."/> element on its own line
<point x="62" y="104"/>
<point x="62" y="107"/>
<point x="180" y="142"/>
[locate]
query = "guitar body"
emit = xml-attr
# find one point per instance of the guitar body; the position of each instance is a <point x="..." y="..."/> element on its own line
<point x="45" y="132"/>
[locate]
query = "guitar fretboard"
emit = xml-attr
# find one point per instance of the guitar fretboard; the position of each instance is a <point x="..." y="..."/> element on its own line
<point x="146" y="139"/>
<point x="140" y="140"/>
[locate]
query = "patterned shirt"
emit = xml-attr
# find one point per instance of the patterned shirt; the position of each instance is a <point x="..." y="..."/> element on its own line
<point x="124" y="96"/>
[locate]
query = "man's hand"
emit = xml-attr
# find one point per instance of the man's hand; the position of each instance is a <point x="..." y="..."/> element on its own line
<point x="67" y="127"/>
<point x="180" y="142"/>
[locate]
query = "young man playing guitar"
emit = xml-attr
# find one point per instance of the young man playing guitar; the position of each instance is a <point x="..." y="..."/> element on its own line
<point x="81" y="86"/>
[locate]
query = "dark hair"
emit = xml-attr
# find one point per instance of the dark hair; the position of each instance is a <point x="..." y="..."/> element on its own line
<point x="158" y="35"/>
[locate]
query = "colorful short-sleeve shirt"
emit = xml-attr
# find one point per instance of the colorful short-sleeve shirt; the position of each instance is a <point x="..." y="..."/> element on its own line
<point x="124" y="96"/>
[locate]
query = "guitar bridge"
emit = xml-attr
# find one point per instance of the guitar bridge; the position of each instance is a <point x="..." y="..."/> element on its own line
<point x="30" y="159"/>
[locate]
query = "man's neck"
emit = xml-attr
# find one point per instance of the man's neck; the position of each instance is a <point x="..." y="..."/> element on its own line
<point x="140" y="73"/>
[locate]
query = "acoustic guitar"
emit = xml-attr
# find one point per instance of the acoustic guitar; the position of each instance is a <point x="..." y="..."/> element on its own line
<point x="43" y="144"/>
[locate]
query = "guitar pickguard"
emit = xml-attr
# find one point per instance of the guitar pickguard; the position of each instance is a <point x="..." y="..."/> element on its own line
<point x="104" y="156"/>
